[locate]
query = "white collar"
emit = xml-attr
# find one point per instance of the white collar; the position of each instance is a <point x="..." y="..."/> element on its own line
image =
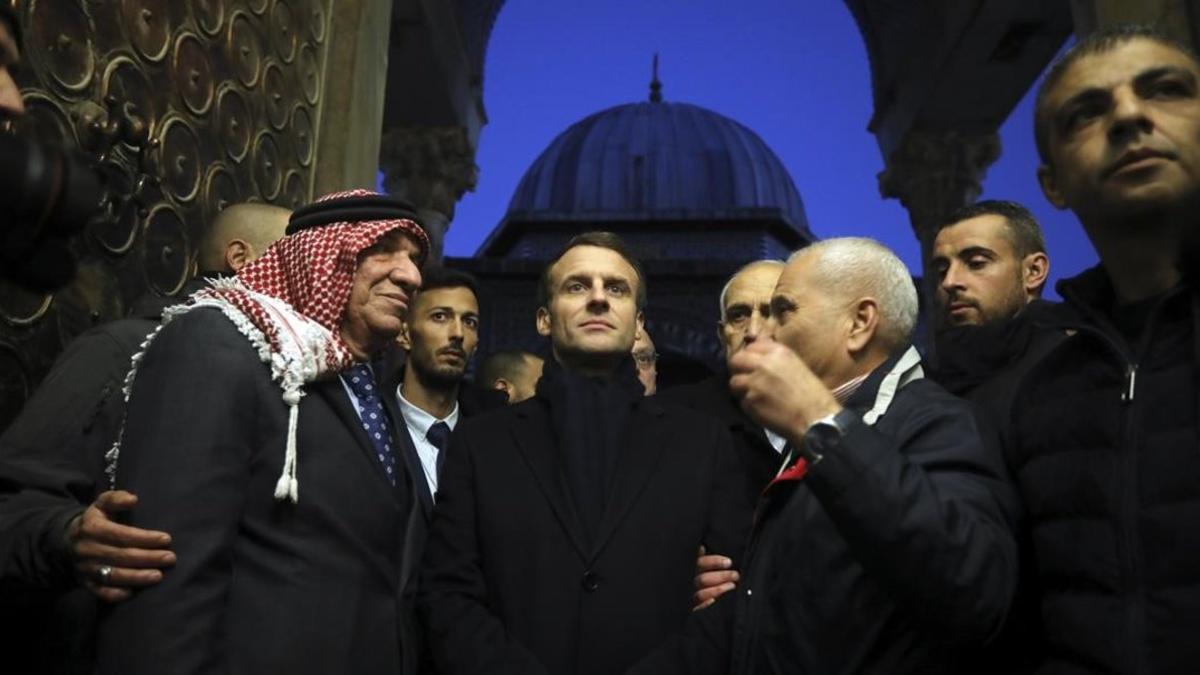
<point x="906" y="370"/>
<point x="418" y="420"/>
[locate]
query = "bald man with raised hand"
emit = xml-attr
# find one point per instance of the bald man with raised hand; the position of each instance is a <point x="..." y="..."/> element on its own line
<point x="55" y="523"/>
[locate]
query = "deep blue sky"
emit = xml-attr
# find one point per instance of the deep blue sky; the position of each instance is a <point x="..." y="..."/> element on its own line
<point x="794" y="71"/>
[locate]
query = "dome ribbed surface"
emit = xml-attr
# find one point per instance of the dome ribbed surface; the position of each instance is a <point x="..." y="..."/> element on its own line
<point x="658" y="157"/>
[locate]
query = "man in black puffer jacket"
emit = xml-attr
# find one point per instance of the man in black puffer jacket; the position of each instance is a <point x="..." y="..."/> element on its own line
<point x="1103" y="438"/>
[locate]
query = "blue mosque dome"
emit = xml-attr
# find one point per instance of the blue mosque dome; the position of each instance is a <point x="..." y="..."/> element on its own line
<point x="652" y="171"/>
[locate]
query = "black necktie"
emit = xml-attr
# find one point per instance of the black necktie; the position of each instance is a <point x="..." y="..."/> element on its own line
<point x="439" y="436"/>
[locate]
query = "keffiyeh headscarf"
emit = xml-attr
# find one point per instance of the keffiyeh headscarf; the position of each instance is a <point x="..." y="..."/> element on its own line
<point x="290" y="301"/>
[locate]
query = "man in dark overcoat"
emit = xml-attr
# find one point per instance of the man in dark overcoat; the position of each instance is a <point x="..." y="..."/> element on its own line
<point x="566" y="529"/>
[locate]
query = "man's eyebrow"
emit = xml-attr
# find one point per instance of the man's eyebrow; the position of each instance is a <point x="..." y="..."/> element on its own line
<point x="582" y="278"/>
<point x="976" y="250"/>
<point x="1147" y="76"/>
<point x="1087" y="95"/>
<point x="1140" y="80"/>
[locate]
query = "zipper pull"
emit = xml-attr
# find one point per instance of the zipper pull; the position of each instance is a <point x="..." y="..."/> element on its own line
<point x="1130" y="383"/>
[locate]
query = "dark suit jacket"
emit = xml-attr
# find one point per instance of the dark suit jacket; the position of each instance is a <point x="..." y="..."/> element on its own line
<point x="508" y="583"/>
<point x="51" y="467"/>
<point x="471" y="401"/>
<point x="712" y="398"/>
<point x="261" y="586"/>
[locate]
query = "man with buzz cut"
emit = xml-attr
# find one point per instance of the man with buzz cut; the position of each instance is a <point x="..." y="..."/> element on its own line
<point x="567" y="525"/>
<point x="515" y="372"/>
<point x="990" y="263"/>
<point x="1103" y="439"/>
<point x="884" y="545"/>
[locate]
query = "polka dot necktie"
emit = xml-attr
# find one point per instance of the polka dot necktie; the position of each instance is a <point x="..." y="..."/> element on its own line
<point x="374" y="421"/>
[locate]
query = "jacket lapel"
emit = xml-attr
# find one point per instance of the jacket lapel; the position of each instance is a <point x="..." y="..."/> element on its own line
<point x="408" y="451"/>
<point x="334" y="393"/>
<point x="642" y="447"/>
<point x="535" y="440"/>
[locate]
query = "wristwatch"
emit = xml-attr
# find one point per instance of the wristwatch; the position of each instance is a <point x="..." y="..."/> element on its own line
<point x="825" y="435"/>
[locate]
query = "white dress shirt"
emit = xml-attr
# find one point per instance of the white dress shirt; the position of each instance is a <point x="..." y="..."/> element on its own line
<point x="418" y="422"/>
<point x="775" y="440"/>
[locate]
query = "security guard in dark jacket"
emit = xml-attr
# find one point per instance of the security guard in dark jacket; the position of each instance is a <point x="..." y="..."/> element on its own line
<point x="1105" y="449"/>
<point x="1107" y="457"/>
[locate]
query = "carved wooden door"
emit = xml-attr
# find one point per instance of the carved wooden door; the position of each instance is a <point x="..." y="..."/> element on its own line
<point x="188" y="105"/>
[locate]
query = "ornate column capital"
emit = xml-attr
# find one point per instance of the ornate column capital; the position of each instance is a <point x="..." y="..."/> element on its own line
<point x="431" y="167"/>
<point x="933" y="173"/>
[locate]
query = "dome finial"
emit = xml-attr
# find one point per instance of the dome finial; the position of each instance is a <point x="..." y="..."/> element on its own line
<point x="655" y="85"/>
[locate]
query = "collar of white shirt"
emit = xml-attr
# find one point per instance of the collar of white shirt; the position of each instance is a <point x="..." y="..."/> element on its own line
<point x="418" y="422"/>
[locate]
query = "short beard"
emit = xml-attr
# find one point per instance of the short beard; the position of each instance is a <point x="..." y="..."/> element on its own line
<point x="1014" y="304"/>
<point x="444" y="378"/>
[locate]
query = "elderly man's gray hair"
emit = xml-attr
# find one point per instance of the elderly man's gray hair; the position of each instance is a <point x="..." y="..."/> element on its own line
<point x="854" y="267"/>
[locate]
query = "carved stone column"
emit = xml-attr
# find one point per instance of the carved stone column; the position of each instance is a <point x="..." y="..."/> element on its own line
<point x="932" y="174"/>
<point x="430" y="167"/>
<point x="353" y="84"/>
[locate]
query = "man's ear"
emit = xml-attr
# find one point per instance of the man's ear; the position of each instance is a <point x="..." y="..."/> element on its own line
<point x="503" y="385"/>
<point x="1035" y="268"/>
<point x="403" y="338"/>
<point x="543" y="321"/>
<point x="864" y="323"/>
<point x="237" y="254"/>
<point x="1049" y="182"/>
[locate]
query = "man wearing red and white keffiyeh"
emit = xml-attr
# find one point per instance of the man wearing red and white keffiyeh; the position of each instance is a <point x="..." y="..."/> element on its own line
<point x="293" y="304"/>
<point x="238" y="393"/>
